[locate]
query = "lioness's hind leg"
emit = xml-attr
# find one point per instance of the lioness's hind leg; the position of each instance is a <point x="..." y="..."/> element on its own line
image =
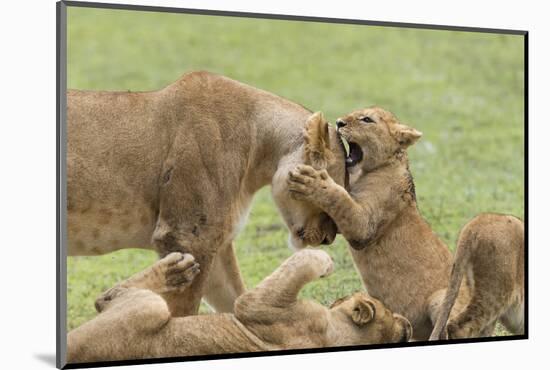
<point x="225" y="283"/>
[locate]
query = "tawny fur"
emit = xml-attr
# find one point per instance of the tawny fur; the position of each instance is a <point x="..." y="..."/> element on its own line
<point x="135" y="323"/>
<point x="401" y="260"/>
<point x="176" y="170"/>
<point x="490" y="253"/>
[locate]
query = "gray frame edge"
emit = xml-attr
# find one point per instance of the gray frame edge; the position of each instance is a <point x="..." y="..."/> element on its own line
<point x="61" y="188"/>
<point x="227" y="13"/>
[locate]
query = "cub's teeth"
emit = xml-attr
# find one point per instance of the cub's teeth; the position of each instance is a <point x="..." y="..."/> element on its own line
<point x="349" y="160"/>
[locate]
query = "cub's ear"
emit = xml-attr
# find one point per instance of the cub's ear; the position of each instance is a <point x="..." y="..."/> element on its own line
<point x="363" y="312"/>
<point x="317" y="151"/>
<point x="405" y="135"/>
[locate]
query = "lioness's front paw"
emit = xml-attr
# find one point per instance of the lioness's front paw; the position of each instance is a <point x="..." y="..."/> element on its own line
<point x="304" y="182"/>
<point x="178" y="271"/>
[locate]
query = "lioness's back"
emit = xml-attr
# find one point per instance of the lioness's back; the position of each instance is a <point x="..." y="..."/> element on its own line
<point x="196" y="138"/>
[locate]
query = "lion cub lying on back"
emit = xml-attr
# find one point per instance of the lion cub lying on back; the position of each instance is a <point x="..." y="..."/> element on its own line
<point x="401" y="260"/>
<point x="134" y="320"/>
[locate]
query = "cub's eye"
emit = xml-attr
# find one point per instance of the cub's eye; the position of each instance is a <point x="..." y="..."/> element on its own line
<point x="367" y="119"/>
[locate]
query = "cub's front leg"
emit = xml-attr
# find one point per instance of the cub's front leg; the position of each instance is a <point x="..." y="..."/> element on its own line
<point x="281" y="288"/>
<point x="317" y="187"/>
<point x="313" y="186"/>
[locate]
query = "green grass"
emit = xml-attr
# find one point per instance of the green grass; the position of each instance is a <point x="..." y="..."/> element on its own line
<point x="464" y="91"/>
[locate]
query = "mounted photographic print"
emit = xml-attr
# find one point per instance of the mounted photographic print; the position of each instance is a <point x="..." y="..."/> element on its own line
<point x="236" y="184"/>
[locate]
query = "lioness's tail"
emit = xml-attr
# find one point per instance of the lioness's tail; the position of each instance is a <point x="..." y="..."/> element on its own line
<point x="466" y="240"/>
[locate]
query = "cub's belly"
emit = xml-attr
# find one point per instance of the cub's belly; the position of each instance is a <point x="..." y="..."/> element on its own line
<point x="104" y="228"/>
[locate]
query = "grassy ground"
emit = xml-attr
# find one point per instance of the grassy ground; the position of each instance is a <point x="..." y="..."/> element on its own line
<point x="464" y="91"/>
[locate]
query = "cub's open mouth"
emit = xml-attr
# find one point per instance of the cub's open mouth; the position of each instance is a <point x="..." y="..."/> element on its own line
<point x="354" y="154"/>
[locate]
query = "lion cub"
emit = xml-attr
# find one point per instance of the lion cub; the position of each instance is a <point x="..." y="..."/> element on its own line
<point x="490" y="252"/>
<point x="401" y="260"/>
<point x="134" y="320"/>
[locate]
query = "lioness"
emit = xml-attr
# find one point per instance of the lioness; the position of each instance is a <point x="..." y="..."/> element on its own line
<point x="176" y="170"/>
<point x="401" y="260"/>
<point x="269" y="317"/>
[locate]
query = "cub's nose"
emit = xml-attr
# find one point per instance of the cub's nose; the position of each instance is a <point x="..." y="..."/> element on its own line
<point x="340" y="123"/>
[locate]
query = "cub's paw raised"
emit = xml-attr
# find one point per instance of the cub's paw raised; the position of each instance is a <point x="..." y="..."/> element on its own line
<point x="177" y="271"/>
<point x="317" y="259"/>
<point x="304" y="182"/>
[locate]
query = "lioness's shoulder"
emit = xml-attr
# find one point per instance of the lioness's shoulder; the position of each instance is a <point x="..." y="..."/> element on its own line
<point x="202" y="86"/>
<point x="208" y="80"/>
<point x="199" y="76"/>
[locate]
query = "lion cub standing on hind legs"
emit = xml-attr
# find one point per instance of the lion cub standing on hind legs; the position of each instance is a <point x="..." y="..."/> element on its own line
<point x="401" y="260"/>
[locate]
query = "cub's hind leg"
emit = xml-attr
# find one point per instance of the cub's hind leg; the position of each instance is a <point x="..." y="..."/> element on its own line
<point x="488" y="330"/>
<point x="117" y="332"/>
<point x="514" y="318"/>
<point x="138" y="297"/>
<point x="491" y="296"/>
<point x="175" y="272"/>
<point x="131" y="310"/>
